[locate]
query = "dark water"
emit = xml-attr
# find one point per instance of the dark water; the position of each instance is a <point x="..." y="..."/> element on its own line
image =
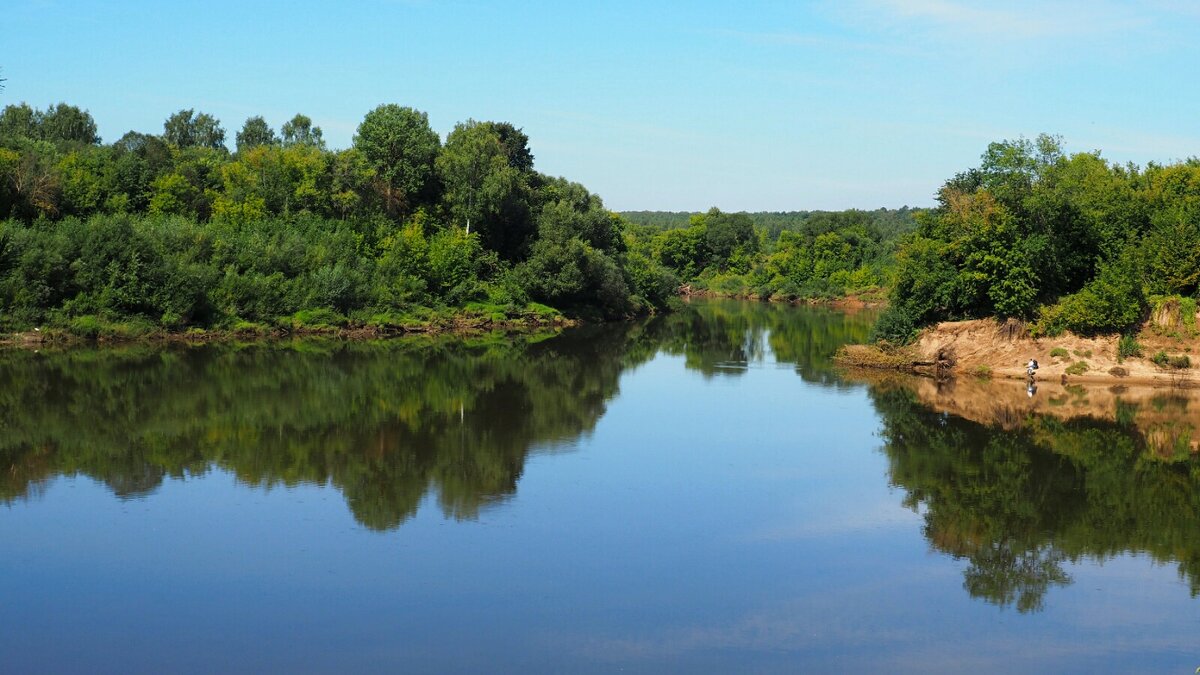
<point x="699" y="493"/>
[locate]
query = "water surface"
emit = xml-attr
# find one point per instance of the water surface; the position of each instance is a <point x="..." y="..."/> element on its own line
<point x="701" y="492"/>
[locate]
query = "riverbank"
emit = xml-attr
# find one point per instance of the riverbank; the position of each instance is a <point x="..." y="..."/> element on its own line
<point x="987" y="348"/>
<point x="430" y="322"/>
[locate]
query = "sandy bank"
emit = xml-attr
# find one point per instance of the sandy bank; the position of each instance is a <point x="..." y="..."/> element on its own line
<point x="1000" y="350"/>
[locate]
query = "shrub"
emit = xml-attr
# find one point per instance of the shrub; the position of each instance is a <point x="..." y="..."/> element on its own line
<point x="1059" y="352"/>
<point x="317" y="318"/>
<point x="1077" y="368"/>
<point x="982" y="371"/>
<point x="1128" y="347"/>
<point x="895" y="325"/>
<point x="1162" y="360"/>
<point x="1111" y="302"/>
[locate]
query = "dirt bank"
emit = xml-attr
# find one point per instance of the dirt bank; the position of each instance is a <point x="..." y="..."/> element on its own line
<point x="1000" y="350"/>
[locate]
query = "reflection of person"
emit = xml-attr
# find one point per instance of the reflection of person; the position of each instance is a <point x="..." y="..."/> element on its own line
<point x="1031" y="389"/>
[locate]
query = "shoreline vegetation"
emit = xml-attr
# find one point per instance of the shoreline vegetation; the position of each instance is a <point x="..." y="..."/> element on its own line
<point x="1091" y="267"/>
<point x="175" y="236"/>
<point x="172" y="233"/>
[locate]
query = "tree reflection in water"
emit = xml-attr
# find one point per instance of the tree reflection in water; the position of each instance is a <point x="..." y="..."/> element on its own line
<point x="1017" y="490"/>
<point x="1019" y="497"/>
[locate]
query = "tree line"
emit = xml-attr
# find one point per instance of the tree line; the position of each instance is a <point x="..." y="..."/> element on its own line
<point x="174" y="230"/>
<point x="774" y="256"/>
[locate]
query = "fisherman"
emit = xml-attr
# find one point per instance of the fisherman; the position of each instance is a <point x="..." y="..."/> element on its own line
<point x="1030" y="368"/>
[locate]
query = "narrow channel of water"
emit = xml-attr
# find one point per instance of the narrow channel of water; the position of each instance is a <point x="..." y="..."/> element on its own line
<point x="701" y="492"/>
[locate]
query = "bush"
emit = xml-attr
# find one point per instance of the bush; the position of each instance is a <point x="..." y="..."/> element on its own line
<point x="1162" y="360"/>
<point x="1059" y="352"/>
<point x="1128" y="347"/>
<point x="1111" y="302"/>
<point x="895" y="326"/>
<point x="318" y="318"/>
<point x="1077" y="368"/>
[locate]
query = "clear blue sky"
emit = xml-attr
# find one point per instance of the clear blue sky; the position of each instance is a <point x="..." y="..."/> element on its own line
<point x="653" y="105"/>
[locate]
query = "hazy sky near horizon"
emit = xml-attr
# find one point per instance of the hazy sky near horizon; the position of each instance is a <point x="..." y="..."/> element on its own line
<point x="652" y="105"/>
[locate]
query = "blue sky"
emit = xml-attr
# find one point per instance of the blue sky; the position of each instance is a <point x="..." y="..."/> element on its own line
<point x="653" y="105"/>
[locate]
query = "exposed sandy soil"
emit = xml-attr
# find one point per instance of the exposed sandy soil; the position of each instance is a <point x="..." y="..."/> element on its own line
<point x="1005" y="347"/>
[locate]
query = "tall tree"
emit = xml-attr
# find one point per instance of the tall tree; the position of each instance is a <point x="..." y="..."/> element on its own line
<point x="483" y="191"/>
<point x="186" y="129"/>
<point x="400" y="145"/>
<point x="300" y="131"/>
<point x="60" y="123"/>
<point x="67" y="123"/>
<point x="516" y="145"/>
<point x="18" y="121"/>
<point x="255" y="132"/>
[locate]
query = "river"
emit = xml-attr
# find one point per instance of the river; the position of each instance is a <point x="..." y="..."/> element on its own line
<point x="700" y="492"/>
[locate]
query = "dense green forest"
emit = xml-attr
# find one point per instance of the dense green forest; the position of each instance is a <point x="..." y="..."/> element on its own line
<point x="773" y="256"/>
<point x="1065" y="242"/>
<point x="173" y="230"/>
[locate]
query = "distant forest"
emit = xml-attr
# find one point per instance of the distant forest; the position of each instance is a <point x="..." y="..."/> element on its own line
<point x="892" y="222"/>
<point x="771" y="255"/>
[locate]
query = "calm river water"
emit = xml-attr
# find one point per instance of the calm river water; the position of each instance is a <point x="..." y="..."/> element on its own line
<point x="702" y="492"/>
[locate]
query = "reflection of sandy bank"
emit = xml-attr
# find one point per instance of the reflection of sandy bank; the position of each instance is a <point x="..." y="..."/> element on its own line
<point x="1167" y="419"/>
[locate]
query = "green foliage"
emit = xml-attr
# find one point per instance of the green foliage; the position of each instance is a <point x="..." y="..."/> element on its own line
<point x="1173" y="314"/>
<point x="895" y="326"/>
<point x="1077" y="368"/>
<point x="1059" y="352"/>
<point x="1073" y="239"/>
<point x="176" y="231"/>
<point x="59" y="124"/>
<point x="1111" y="302"/>
<point x="187" y="129"/>
<point x="400" y="146"/>
<point x="299" y="131"/>
<point x="772" y="256"/>
<point x="318" y="319"/>
<point x="1128" y="347"/>
<point x="1163" y="360"/>
<point x="255" y="132"/>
